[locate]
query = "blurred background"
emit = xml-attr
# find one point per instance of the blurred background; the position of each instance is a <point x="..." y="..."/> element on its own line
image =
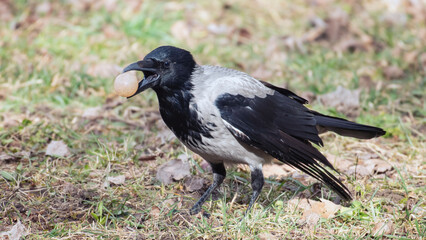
<point x="363" y="60"/>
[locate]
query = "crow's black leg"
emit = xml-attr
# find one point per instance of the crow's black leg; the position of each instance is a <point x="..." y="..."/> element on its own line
<point x="219" y="174"/>
<point x="256" y="184"/>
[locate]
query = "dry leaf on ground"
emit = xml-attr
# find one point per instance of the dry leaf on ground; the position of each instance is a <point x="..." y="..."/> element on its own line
<point x="57" y="149"/>
<point x="206" y="166"/>
<point x="314" y="210"/>
<point x="341" y="164"/>
<point x="360" y="170"/>
<point x="117" y="180"/>
<point x="165" y="135"/>
<point x="296" y="203"/>
<point x="92" y="113"/>
<point x="193" y="184"/>
<point x="380" y="166"/>
<point x="277" y="171"/>
<point x="18" y="230"/>
<point x="393" y="72"/>
<point x="382" y="228"/>
<point x="344" y="100"/>
<point x="155" y="212"/>
<point x="173" y="170"/>
<point x="310" y="218"/>
<point x="368" y="164"/>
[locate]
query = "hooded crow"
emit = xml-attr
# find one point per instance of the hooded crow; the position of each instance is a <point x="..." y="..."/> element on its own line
<point x="227" y="116"/>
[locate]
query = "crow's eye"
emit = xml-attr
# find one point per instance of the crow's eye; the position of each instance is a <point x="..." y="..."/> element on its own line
<point x="166" y="64"/>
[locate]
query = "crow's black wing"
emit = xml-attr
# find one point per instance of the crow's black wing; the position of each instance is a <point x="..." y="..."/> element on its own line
<point x="286" y="92"/>
<point x="282" y="127"/>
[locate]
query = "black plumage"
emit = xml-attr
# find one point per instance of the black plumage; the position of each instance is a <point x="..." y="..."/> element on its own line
<point x="228" y="116"/>
<point x="283" y="134"/>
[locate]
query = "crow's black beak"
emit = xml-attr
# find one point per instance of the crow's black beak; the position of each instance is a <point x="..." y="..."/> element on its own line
<point x="149" y="68"/>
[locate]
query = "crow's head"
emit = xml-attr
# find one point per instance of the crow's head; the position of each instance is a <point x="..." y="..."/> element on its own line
<point x="164" y="67"/>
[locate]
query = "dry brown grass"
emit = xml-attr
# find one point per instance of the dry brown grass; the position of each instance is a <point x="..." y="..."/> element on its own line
<point x="57" y="64"/>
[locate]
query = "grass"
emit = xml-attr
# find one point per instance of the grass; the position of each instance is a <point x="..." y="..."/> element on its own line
<point x="57" y="64"/>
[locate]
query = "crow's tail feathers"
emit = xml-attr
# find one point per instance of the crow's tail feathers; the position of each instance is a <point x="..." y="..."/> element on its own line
<point x="346" y="128"/>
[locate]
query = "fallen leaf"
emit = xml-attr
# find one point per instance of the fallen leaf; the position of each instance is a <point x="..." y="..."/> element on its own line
<point x="168" y="202"/>
<point x="70" y="189"/>
<point x="411" y="57"/>
<point x="393" y="72"/>
<point x="344" y="100"/>
<point x="193" y="184"/>
<point x="183" y="157"/>
<point x="310" y="218"/>
<point x="18" y="230"/>
<point x="206" y="166"/>
<point x="382" y="228"/>
<point x="313" y="210"/>
<point x="381" y="166"/>
<point x="323" y="209"/>
<point x="361" y="170"/>
<point x="165" y="135"/>
<point x="301" y="177"/>
<point x="342" y="164"/>
<point x="155" y="212"/>
<point x="275" y="170"/>
<point x="296" y="203"/>
<point x="57" y="149"/>
<point x="365" y="81"/>
<point x="368" y="164"/>
<point x="328" y="209"/>
<point x="117" y="180"/>
<point x="92" y="113"/>
<point x="175" y="169"/>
